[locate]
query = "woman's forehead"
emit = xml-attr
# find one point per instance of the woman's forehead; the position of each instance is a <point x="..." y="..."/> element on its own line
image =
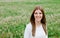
<point x="38" y="11"/>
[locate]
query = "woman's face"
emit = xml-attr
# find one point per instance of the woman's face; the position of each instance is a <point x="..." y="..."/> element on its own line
<point x="38" y="15"/>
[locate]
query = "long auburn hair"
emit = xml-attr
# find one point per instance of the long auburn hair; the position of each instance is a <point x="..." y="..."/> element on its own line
<point x="43" y="20"/>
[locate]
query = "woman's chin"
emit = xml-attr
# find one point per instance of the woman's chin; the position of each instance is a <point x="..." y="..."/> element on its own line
<point x="38" y="20"/>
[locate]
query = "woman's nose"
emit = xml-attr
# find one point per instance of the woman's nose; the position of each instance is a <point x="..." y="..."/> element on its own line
<point x="37" y="14"/>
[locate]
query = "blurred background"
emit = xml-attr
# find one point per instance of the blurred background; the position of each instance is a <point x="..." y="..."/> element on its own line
<point x="15" y="14"/>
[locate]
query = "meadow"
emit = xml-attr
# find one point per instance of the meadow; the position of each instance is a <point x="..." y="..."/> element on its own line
<point x="15" y="14"/>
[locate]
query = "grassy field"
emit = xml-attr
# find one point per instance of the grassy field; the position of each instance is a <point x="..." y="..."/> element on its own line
<point x="15" y="14"/>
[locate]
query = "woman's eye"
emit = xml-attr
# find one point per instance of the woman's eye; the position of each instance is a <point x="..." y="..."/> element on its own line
<point x="35" y="13"/>
<point x="40" y="13"/>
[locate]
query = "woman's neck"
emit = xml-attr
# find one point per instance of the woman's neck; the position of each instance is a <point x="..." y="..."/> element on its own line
<point x="38" y="23"/>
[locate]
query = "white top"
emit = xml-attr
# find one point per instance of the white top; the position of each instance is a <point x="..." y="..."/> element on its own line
<point x="38" y="34"/>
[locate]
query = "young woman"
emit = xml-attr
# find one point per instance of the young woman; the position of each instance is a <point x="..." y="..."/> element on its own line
<point x="37" y="26"/>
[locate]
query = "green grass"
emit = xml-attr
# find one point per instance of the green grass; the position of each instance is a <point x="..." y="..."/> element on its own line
<point x="15" y="15"/>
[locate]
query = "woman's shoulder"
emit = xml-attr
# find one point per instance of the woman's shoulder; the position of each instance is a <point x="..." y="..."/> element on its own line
<point x="29" y="26"/>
